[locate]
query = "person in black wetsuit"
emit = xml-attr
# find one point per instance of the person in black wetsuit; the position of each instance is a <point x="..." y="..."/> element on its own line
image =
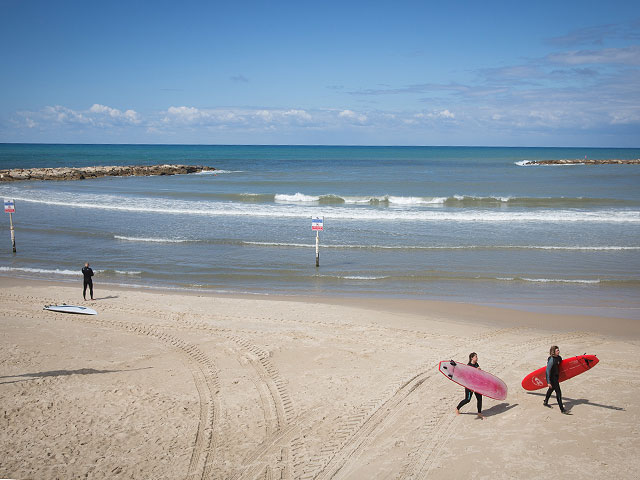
<point x="473" y="361"/>
<point x="88" y="282"/>
<point x="553" y="380"/>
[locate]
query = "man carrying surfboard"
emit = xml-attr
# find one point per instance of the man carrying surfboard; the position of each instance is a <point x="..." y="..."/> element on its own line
<point x="553" y="377"/>
<point x="88" y="282"/>
<point x="473" y="362"/>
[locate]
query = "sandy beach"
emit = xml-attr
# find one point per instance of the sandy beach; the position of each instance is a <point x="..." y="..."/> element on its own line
<point x="174" y="385"/>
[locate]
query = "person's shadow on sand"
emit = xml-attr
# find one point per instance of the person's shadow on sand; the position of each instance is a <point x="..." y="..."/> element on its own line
<point x="569" y="403"/>
<point x="498" y="409"/>
<point x="494" y="410"/>
<point x="105" y="298"/>
<point x="61" y="373"/>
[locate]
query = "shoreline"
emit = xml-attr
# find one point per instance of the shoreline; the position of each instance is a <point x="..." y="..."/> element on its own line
<point x="481" y="314"/>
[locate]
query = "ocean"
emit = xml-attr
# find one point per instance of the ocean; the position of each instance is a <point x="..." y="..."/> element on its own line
<point x="462" y="224"/>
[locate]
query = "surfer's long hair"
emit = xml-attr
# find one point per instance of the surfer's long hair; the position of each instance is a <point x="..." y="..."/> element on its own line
<point x="553" y="349"/>
<point x="471" y="355"/>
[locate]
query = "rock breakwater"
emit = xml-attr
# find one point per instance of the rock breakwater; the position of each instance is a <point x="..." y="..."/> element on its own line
<point x="585" y="161"/>
<point x="68" y="173"/>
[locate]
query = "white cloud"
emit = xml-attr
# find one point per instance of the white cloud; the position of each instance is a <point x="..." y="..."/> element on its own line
<point x="128" y="116"/>
<point x="60" y="117"/>
<point x="97" y="108"/>
<point x="625" y="56"/>
<point x="531" y="113"/>
<point x="265" y="115"/>
<point x="624" y="118"/>
<point x="184" y="114"/>
<point x="298" y="114"/>
<point x="62" y="114"/>
<point x="446" y="114"/>
<point x="352" y="116"/>
<point x="235" y="116"/>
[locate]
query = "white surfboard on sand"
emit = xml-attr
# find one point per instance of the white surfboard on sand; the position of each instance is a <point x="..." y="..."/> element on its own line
<point x="71" y="309"/>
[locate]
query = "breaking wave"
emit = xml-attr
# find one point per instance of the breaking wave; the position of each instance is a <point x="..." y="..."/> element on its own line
<point x="307" y="206"/>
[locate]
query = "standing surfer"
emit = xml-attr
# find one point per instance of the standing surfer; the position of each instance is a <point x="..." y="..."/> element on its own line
<point x="88" y="282"/>
<point x="553" y="377"/>
<point x="473" y="362"/>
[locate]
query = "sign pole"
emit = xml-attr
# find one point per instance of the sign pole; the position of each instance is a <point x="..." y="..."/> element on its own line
<point x="13" y="233"/>
<point x="10" y="208"/>
<point x="317" y="224"/>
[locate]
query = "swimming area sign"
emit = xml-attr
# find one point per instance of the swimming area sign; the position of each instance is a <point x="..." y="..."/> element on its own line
<point x="317" y="223"/>
<point x="9" y="206"/>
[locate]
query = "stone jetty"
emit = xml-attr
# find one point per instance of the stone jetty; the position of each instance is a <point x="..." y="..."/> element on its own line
<point x="581" y="161"/>
<point x="68" y="173"/>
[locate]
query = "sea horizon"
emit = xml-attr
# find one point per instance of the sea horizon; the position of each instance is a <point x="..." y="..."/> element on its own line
<point x="337" y="145"/>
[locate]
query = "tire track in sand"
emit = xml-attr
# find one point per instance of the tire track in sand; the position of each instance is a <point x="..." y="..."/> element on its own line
<point x="282" y="451"/>
<point x="202" y="464"/>
<point x="362" y="427"/>
<point x="432" y="444"/>
<point x="278" y="409"/>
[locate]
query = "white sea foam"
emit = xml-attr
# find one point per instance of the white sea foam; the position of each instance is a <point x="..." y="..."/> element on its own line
<point x="361" y="200"/>
<point x="364" y="199"/>
<point x="279" y="244"/>
<point x="218" y="172"/>
<point x="150" y="239"/>
<point x="448" y="247"/>
<point x="416" y="200"/>
<point x="559" y="280"/>
<point x="531" y="163"/>
<point x="298" y="209"/>
<point x="575" y="247"/>
<point x="118" y="272"/>
<point x="363" y="277"/>
<point x="550" y="280"/>
<point x="42" y="271"/>
<point x="296" y="198"/>
<point x="57" y="271"/>
<point x="462" y="198"/>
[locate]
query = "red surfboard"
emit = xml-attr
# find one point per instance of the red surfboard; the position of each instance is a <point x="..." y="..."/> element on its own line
<point x="569" y="368"/>
<point x="474" y="379"/>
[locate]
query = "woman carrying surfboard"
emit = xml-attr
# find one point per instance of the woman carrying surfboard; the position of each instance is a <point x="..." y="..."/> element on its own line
<point x="553" y="377"/>
<point x="473" y="362"/>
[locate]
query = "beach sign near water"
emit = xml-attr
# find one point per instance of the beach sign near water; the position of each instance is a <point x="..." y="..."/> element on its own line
<point x="10" y="208"/>
<point x="317" y="225"/>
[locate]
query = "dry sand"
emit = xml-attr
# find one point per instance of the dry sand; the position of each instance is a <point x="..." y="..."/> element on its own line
<point x="187" y="386"/>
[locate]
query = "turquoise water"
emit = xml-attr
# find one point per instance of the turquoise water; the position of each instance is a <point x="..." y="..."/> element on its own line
<point x="455" y="223"/>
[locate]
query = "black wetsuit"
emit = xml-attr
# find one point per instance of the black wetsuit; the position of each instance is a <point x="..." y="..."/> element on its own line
<point x="469" y="393"/>
<point x="553" y="374"/>
<point x="88" y="282"/>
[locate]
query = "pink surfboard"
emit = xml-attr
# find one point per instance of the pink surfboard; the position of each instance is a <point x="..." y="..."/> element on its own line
<point x="568" y="368"/>
<point x="474" y="379"/>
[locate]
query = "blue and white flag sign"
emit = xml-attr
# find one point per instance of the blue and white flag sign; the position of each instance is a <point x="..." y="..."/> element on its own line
<point x="9" y="206"/>
<point x="317" y="223"/>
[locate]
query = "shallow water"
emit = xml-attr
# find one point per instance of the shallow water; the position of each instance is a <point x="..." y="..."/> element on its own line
<point x="455" y="223"/>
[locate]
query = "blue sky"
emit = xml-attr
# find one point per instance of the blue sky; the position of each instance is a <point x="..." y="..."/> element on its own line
<point x="342" y="73"/>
